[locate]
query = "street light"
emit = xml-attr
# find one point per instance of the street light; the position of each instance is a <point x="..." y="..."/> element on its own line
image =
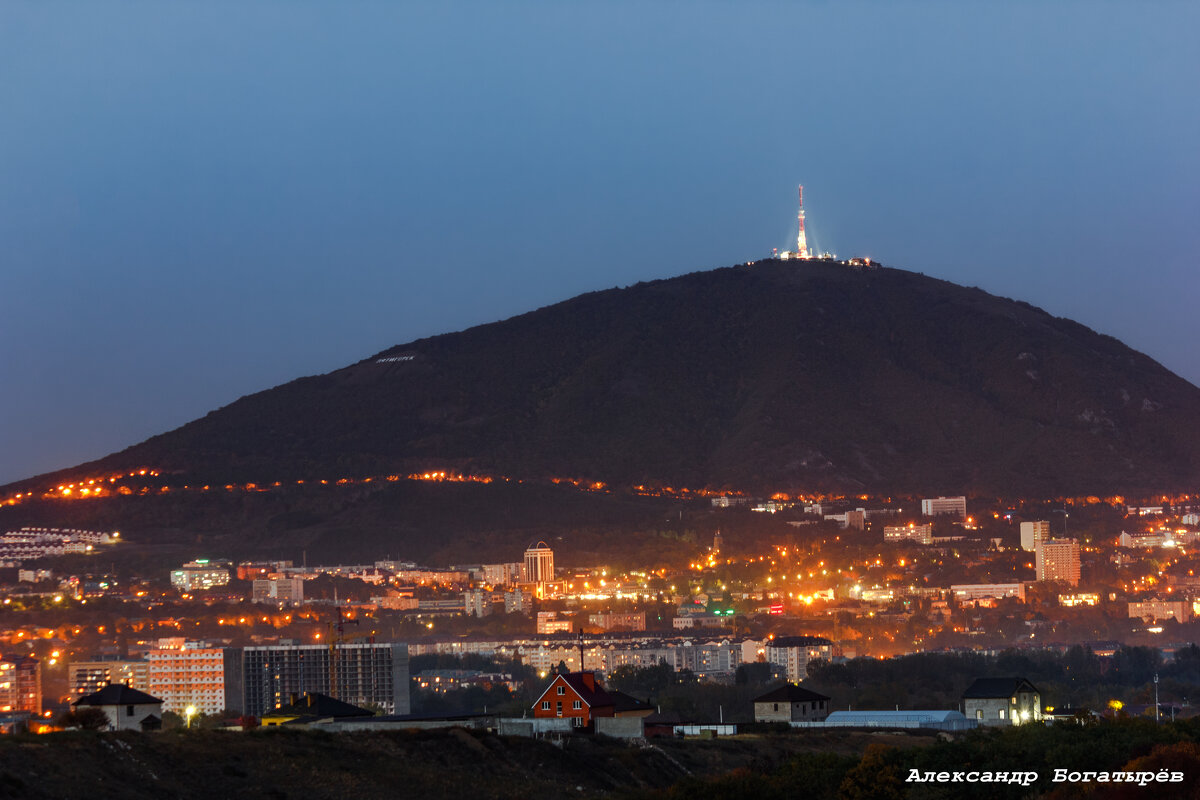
<point x="188" y="713"/>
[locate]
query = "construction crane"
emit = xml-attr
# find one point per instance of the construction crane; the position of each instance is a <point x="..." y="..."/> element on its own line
<point x="337" y="636"/>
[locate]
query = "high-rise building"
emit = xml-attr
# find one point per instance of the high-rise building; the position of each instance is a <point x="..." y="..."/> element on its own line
<point x="949" y="506"/>
<point x="478" y="603"/>
<point x="1058" y="560"/>
<point x="21" y="684"/>
<point x="88" y="677"/>
<point x="261" y="679"/>
<point x="1034" y="532"/>
<point x="190" y="674"/>
<point x="793" y="653"/>
<point x="539" y="567"/>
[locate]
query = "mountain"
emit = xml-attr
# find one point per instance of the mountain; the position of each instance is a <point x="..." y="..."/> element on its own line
<point x="773" y="375"/>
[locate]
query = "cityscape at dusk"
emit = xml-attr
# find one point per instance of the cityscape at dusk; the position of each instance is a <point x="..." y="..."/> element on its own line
<point x="631" y="400"/>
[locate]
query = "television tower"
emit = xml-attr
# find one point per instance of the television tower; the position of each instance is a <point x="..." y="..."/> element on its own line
<point x="801" y="241"/>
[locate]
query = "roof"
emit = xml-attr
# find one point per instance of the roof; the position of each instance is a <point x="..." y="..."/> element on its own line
<point x="627" y="702"/>
<point x="987" y="688"/>
<point x="848" y="717"/>
<point x="315" y="704"/>
<point x="790" y="693"/>
<point x="593" y="698"/>
<point x="799" y="641"/>
<point x="117" y="694"/>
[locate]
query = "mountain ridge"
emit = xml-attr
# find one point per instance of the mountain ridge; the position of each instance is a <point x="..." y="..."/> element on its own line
<point x="802" y="375"/>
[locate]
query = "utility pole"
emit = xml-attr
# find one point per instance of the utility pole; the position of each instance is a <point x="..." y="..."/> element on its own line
<point x="581" y="649"/>
<point x="1156" y="720"/>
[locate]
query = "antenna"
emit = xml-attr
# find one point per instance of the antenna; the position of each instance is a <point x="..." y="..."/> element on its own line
<point x="801" y="241"/>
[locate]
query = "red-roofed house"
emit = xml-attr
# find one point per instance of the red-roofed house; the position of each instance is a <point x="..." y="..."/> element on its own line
<point x="577" y="696"/>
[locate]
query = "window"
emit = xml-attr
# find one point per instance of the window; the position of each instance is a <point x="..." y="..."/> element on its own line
<point x="545" y="705"/>
<point x="1002" y="713"/>
<point x="979" y="713"/>
<point x="577" y="705"/>
<point x="559" y="709"/>
<point x="562" y="690"/>
<point x="129" y="711"/>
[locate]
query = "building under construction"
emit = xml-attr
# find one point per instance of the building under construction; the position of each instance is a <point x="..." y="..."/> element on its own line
<point x="261" y="679"/>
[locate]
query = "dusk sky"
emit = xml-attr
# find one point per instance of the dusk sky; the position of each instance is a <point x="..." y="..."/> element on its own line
<point x="203" y="200"/>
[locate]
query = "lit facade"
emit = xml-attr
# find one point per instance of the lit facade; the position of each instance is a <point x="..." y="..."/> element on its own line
<point x="87" y="677"/>
<point x="190" y="675"/>
<point x="944" y="506"/>
<point x="278" y="590"/>
<point x="794" y="653"/>
<point x="199" y="574"/>
<point x="1034" y="532"/>
<point x="538" y="568"/>
<point x="1058" y="560"/>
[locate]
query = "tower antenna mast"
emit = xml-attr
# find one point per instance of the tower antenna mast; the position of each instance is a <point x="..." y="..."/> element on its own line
<point x="801" y="241"/>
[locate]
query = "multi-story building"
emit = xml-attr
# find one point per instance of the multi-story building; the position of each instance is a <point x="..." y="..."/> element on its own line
<point x="1034" y="532"/>
<point x="518" y="601"/>
<point x="794" y="653"/>
<point x="949" y="506"/>
<point x="501" y="574"/>
<point x="478" y="603"/>
<point x="199" y="574"/>
<point x="88" y="677"/>
<point x="24" y="674"/>
<point x="1155" y="610"/>
<point x="278" y="590"/>
<point x="538" y="568"/>
<point x="970" y="592"/>
<point x="260" y="679"/>
<point x="921" y="534"/>
<point x="1058" y="560"/>
<point x="190" y="674"/>
<point x="549" y="622"/>
<point x="612" y="621"/>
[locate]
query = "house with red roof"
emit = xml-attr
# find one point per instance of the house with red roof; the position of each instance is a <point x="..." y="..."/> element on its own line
<point x="577" y="696"/>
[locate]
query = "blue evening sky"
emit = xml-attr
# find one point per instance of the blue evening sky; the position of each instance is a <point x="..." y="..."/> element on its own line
<point x="202" y="200"/>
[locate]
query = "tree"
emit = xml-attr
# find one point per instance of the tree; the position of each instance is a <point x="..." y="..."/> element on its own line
<point x="88" y="718"/>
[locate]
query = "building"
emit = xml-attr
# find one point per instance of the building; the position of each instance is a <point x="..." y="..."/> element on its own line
<point x="21" y="684"/>
<point x="518" y="601"/>
<point x="188" y="675"/>
<point x="478" y="603"/>
<point x="263" y="678"/>
<point x="972" y="592"/>
<point x="549" y="622"/>
<point x="87" y="677"/>
<point x="314" y="707"/>
<point x="1002" y="701"/>
<point x="794" y="653"/>
<point x="921" y="534"/>
<point x="944" y="506"/>
<point x="127" y="709"/>
<point x="921" y="719"/>
<point x="278" y="590"/>
<point x="1034" y="532"/>
<point x="1058" y="560"/>
<point x="791" y="703"/>
<point x="538" y="568"/>
<point x="610" y="621"/>
<point x="578" y="696"/>
<point x="502" y="574"/>
<point x="1155" y="610"/>
<point x="199" y="574"/>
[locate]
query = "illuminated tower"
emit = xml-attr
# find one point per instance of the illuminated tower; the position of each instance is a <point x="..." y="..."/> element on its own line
<point x="801" y="241"/>
<point x="539" y="567"/>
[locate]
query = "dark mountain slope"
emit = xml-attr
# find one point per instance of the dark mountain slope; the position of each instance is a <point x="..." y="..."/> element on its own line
<point x="776" y="374"/>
